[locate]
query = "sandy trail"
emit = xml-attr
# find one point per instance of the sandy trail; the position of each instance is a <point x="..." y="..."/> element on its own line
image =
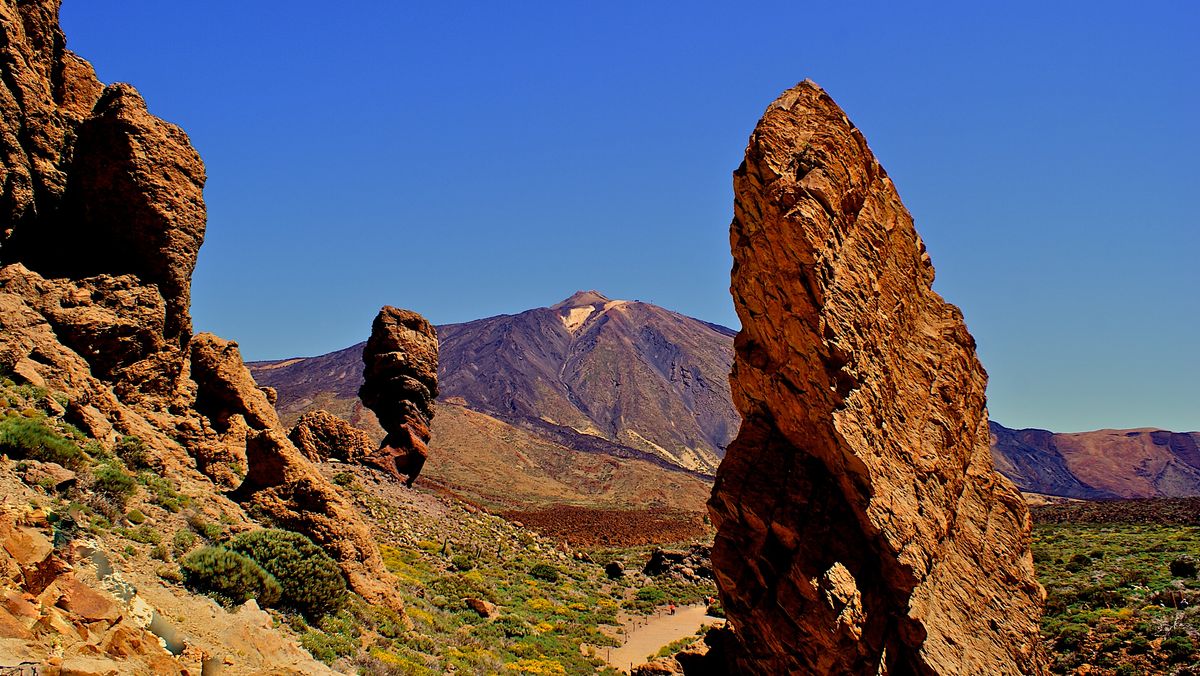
<point x="658" y="631"/>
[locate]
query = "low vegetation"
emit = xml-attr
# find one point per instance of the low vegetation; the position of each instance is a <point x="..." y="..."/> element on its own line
<point x="309" y="578"/>
<point x="229" y="577"/>
<point x="481" y="595"/>
<point x="1122" y="598"/>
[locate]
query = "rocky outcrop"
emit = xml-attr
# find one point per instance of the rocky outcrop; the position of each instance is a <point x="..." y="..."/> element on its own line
<point x="321" y="435"/>
<point x="682" y="564"/>
<point x="103" y="217"/>
<point x="45" y="94"/>
<point x="399" y="385"/>
<point x="51" y="617"/>
<point x="862" y="528"/>
<point x="92" y="182"/>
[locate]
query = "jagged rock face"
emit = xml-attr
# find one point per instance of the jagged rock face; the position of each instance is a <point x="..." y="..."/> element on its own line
<point x="321" y="435"/>
<point x="399" y="385"/>
<point x="862" y="528"/>
<point x="103" y="216"/>
<point x="92" y="183"/>
<point x="43" y="82"/>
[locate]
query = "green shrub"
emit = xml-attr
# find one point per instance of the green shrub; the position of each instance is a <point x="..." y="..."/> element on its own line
<point x="462" y="562"/>
<point x="1178" y="648"/>
<point x="544" y="572"/>
<point x="24" y="437"/>
<point x="229" y="576"/>
<point x="146" y="535"/>
<point x="651" y="595"/>
<point x="112" y="481"/>
<point x="135" y="517"/>
<point x="512" y="626"/>
<point x="183" y="541"/>
<point x="1071" y="636"/>
<point x="327" y="647"/>
<point x="162" y="493"/>
<point x="206" y="529"/>
<point x="133" y="452"/>
<point x="310" y="579"/>
<point x="1078" y="563"/>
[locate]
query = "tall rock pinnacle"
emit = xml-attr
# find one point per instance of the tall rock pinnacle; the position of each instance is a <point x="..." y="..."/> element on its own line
<point x="399" y="385"/>
<point x="862" y="528"/>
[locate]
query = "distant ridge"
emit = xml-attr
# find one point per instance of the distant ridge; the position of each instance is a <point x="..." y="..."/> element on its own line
<point x="635" y="381"/>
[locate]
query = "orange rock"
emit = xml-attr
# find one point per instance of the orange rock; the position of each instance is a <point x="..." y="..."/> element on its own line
<point x="81" y="600"/>
<point x="861" y="526"/>
<point x="321" y="435"/>
<point x="12" y="627"/>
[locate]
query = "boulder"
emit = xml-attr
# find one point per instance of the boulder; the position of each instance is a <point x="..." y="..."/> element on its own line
<point x="400" y="385"/>
<point x="49" y="474"/>
<point x="481" y="607"/>
<point x="861" y="526"/>
<point x="683" y="564"/>
<point x="321" y="435"/>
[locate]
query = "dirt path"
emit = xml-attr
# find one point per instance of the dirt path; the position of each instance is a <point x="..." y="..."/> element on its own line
<point x="656" y="632"/>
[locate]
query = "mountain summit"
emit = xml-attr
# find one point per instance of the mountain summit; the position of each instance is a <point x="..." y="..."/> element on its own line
<point x="581" y="299"/>
<point x="625" y="378"/>
<point x="627" y="372"/>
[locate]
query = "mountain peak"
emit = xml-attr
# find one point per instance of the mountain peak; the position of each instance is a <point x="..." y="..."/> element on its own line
<point x="581" y="299"/>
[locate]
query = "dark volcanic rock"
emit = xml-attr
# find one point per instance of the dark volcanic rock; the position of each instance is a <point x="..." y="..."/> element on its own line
<point x="862" y="528"/>
<point x="399" y="385"/>
<point x="683" y="564"/>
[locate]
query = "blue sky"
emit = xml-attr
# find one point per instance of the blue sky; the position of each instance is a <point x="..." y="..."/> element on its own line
<point x="466" y="159"/>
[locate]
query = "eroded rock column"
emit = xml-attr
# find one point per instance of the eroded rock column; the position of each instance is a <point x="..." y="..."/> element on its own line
<point x="400" y="385"/>
<point x="861" y="526"/>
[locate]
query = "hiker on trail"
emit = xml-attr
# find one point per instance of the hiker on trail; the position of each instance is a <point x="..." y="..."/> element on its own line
<point x="671" y="608"/>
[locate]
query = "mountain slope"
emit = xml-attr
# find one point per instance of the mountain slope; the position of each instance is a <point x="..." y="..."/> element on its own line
<point x="628" y="372"/>
<point x="631" y="379"/>
<point x="622" y="377"/>
<point x="1140" y="463"/>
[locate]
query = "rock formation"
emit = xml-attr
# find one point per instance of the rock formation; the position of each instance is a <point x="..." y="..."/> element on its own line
<point x="43" y="596"/>
<point x="862" y="528"/>
<point x="399" y="385"/>
<point x="102" y="218"/>
<point x="92" y="182"/>
<point x="321" y="435"/>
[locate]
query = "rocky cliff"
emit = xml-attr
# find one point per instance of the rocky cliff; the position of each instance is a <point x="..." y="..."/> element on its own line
<point x="862" y="528"/>
<point x="103" y="217"/>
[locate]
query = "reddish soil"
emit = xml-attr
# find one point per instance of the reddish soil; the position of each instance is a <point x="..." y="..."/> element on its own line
<point x="1179" y="511"/>
<point x="583" y="526"/>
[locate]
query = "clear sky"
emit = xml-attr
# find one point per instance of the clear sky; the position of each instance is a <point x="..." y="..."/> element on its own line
<point x="465" y="159"/>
